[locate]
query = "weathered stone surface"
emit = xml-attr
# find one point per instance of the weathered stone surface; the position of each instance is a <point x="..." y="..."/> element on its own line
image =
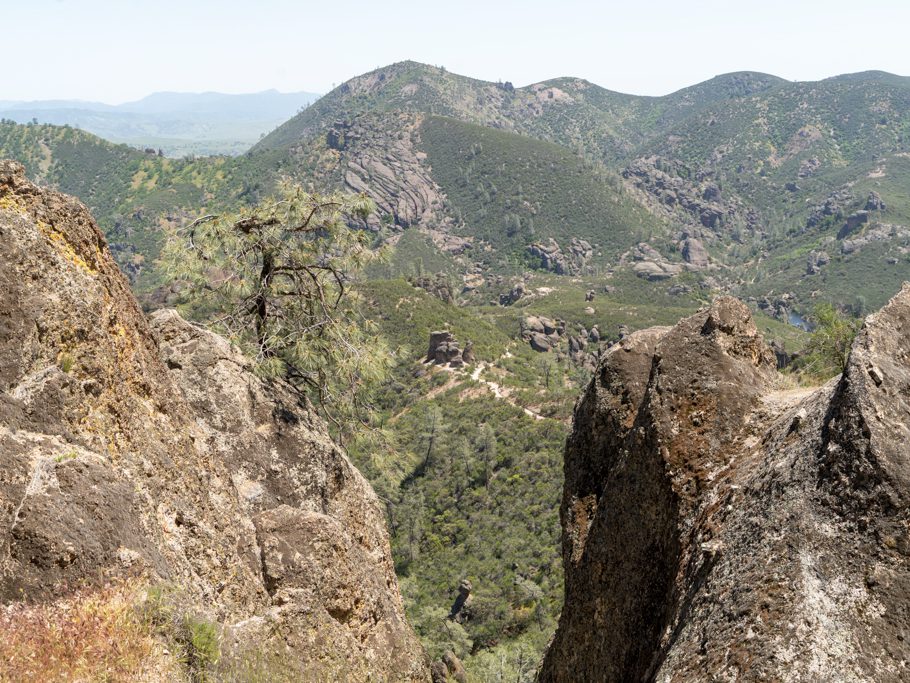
<point x="875" y="202"/>
<point x="854" y="221"/>
<point x="879" y="232"/>
<point x="462" y="602"/>
<point x="455" y="667"/>
<point x="153" y="449"/>
<point x="815" y="260"/>
<point x="437" y="286"/>
<point x="834" y="206"/>
<point x="514" y="294"/>
<point x="392" y="172"/>
<point x="468" y="354"/>
<point x="551" y="257"/>
<point x="694" y="253"/>
<point x="716" y="528"/>
<point x="650" y="263"/>
<point x="671" y="187"/>
<point x="543" y="334"/>
<point x="444" y="350"/>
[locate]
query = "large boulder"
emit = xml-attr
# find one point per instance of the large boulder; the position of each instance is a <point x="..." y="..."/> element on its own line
<point x="444" y="350"/>
<point x="694" y="252"/>
<point x="131" y="448"/>
<point x="717" y="528"/>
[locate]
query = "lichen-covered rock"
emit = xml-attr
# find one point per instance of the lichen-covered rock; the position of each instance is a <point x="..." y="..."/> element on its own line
<point x="154" y="450"/>
<point x="716" y="528"/>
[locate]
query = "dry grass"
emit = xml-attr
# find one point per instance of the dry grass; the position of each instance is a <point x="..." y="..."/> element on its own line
<point x="94" y="635"/>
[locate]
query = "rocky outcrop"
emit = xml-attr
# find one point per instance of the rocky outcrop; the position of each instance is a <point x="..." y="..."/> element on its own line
<point x="439" y="286"/>
<point x="379" y="156"/>
<point x="543" y="334"/>
<point x="585" y="348"/>
<point x="513" y="295"/>
<point x="154" y="450"/>
<point x="445" y="350"/>
<point x="780" y="307"/>
<point x="694" y="253"/>
<point x="877" y="232"/>
<point x="649" y="263"/>
<point x="462" y="602"/>
<point x="552" y="258"/>
<point x="677" y="191"/>
<point x="717" y="528"/>
<point x="853" y="223"/>
<point x="833" y="208"/>
<point x="580" y="253"/>
<point x="875" y="202"/>
<point x="815" y="260"/>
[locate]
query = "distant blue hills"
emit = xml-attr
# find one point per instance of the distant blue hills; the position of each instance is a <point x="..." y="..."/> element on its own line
<point x="177" y="123"/>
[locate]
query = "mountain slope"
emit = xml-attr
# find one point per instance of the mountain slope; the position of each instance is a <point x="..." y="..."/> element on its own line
<point x="511" y="190"/>
<point x="755" y="176"/>
<point x="568" y="111"/>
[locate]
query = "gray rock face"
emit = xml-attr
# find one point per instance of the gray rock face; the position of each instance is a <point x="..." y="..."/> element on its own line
<point x="391" y="171"/>
<point x="694" y="253"/>
<point x="715" y="528"/>
<point x="542" y="333"/>
<point x="651" y="264"/>
<point x="445" y="350"/>
<point x="551" y="257"/>
<point x="514" y="294"/>
<point x="676" y="189"/>
<point x="881" y="232"/>
<point x="854" y="221"/>
<point x="462" y="601"/>
<point x="833" y="206"/>
<point x="815" y="260"/>
<point x="437" y="286"/>
<point x="875" y="202"/>
<point x="130" y="447"/>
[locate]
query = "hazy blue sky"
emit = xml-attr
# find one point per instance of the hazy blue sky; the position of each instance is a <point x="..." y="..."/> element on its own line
<point x="117" y="50"/>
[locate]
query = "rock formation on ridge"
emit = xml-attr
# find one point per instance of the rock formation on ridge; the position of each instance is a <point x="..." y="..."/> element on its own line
<point x="717" y="528"/>
<point x="152" y="449"/>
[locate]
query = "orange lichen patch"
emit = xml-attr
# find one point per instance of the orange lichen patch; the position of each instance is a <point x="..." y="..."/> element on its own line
<point x="64" y="248"/>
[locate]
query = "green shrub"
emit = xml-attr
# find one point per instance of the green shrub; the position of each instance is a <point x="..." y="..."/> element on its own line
<point x="201" y="643"/>
<point x="828" y="348"/>
<point x="66" y="362"/>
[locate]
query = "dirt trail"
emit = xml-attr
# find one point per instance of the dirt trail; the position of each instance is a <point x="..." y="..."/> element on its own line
<point x="499" y="392"/>
<point x="783" y="399"/>
<point x="779" y="402"/>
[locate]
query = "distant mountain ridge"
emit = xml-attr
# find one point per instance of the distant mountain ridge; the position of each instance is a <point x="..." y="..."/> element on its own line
<point x="178" y="123"/>
<point x="746" y="175"/>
